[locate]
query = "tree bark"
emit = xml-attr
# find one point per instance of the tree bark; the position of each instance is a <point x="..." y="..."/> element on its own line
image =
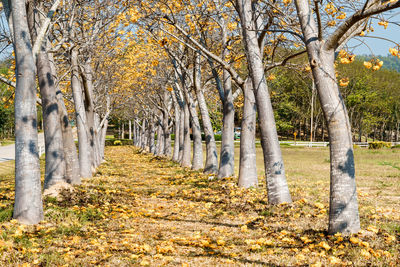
<point x="130" y="129"/>
<point x="54" y="154"/>
<point x="278" y="191"/>
<point x="175" y="156"/>
<point x="166" y="135"/>
<point x="83" y="140"/>
<point x="72" y="171"/>
<point x="197" y="159"/>
<point x="186" y="155"/>
<point x="28" y="207"/>
<point x="227" y="154"/>
<point x="247" y="164"/>
<point x="211" y="164"/>
<point x="87" y="78"/>
<point x="343" y="209"/>
<point x="151" y="136"/>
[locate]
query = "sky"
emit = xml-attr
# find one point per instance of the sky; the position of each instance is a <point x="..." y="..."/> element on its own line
<point x="378" y="47"/>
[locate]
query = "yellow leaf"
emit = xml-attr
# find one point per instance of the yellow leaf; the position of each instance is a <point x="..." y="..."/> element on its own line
<point x="354" y="240"/>
<point x="144" y="263"/>
<point x="334" y="260"/>
<point x="373" y="229"/>
<point x="319" y="205"/>
<point x="324" y="245"/>
<point x="365" y="254"/>
<point x="221" y="242"/>
<point x="255" y="247"/>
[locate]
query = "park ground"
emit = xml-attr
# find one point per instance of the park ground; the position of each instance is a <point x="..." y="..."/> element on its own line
<point x="141" y="210"/>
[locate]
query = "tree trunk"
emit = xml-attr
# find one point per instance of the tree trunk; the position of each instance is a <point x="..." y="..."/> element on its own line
<point x="130" y="130"/>
<point x="151" y="136"/>
<point x="87" y="78"/>
<point x="360" y="129"/>
<point x="54" y="154"/>
<point x="227" y="155"/>
<point x="181" y="132"/>
<point x="343" y="209"/>
<point x="197" y="161"/>
<point x="142" y="135"/>
<point x="247" y="164"/>
<point x="102" y="138"/>
<point x="28" y="207"/>
<point x="83" y="140"/>
<point x="175" y="156"/>
<point x="72" y="171"/>
<point x="159" y="145"/>
<point x="211" y="165"/>
<point x="123" y="131"/>
<point x="278" y="191"/>
<point x="186" y="157"/>
<point x="166" y="135"/>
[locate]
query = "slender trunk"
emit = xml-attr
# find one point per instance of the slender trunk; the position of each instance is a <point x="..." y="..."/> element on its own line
<point x="360" y="130"/>
<point x="197" y="160"/>
<point x="186" y="142"/>
<point x="382" y="131"/>
<point x="142" y="135"/>
<point x="373" y="139"/>
<point x="247" y="164"/>
<point x="166" y="135"/>
<point x="343" y="209"/>
<point x="72" y="172"/>
<point x="278" y="191"/>
<point x="151" y="136"/>
<point x="102" y="139"/>
<point x="159" y="144"/>
<point x="175" y="156"/>
<point x="211" y="165"/>
<point x="28" y="207"/>
<point x="123" y="131"/>
<point x="181" y="132"/>
<point x="54" y="154"/>
<point x="135" y="132"/>
<point x="226" y="163"/>
<point x="130" y="130"/>
<point x="139" y="137"/>
<point x="83" y="140"/>
<point x="87" y="78"/>
<point x="312" y="111"/>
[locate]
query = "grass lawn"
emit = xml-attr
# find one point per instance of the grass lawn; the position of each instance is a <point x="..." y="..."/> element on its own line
<point x="141" y="210"/>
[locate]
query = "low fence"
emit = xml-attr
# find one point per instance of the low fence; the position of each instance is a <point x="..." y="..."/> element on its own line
<point x="325" y="144"/>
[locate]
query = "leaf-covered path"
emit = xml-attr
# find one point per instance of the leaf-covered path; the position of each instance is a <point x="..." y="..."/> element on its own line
<point x="143" y="210"/>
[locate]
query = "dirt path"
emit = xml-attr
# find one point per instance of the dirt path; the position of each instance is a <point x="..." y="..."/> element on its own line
<point x="7" y="153"/>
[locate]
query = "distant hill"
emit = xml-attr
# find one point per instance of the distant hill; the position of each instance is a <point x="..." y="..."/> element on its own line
<point x="389" y="62"/>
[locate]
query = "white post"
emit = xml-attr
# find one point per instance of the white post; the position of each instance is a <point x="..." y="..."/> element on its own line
<point x="130" y="130"/>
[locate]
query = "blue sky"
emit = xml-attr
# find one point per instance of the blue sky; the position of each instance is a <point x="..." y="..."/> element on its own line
<point x="379" y="47"/>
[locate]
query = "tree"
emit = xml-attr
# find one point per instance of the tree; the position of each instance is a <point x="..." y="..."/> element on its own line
<point x="343" y="211"/>
<point x="28" y="208"/>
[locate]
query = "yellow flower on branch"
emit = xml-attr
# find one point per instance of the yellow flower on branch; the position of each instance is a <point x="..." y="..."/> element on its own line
<point x="344" y="82"/>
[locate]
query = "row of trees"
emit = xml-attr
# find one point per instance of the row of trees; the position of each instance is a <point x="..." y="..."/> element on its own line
<point x="165" y="65"/>
<point x="64" y="49"/>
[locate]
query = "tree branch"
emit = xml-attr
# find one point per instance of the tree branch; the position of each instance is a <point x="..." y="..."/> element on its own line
<point x="375" y="8"/>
